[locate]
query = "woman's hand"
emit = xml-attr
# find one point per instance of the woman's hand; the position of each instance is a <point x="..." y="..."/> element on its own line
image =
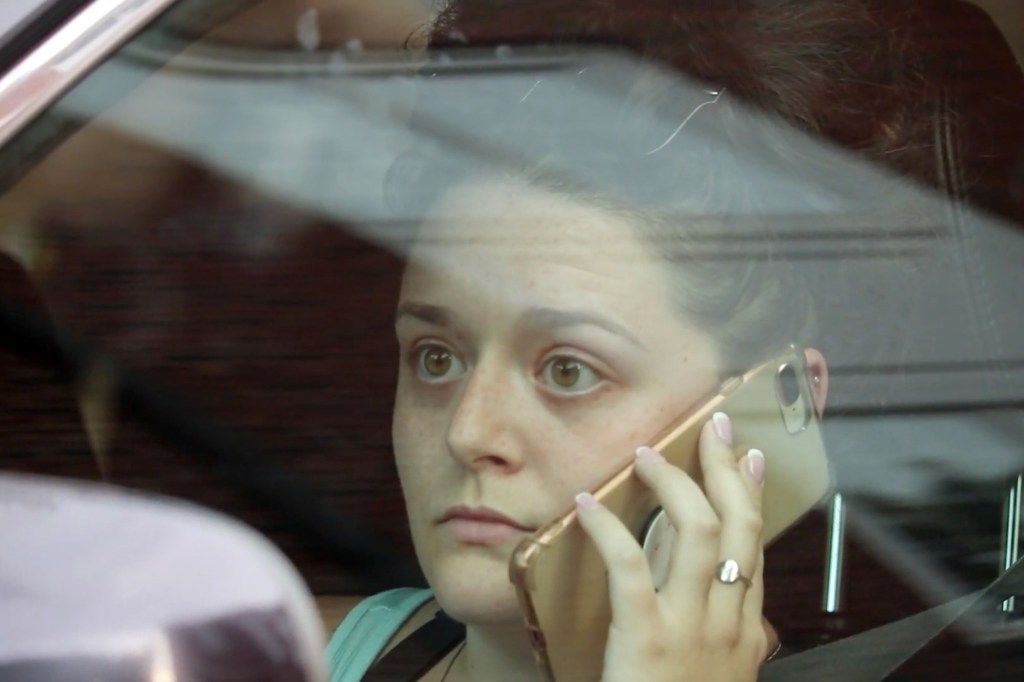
<point x="696" y="627"/>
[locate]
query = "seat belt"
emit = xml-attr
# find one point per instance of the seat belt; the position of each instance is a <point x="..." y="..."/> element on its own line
<point x="873" y="655"/>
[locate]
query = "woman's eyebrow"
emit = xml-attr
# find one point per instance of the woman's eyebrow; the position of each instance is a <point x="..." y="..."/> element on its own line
<point x="552" y="318"/>
<point x="431" y="314"/>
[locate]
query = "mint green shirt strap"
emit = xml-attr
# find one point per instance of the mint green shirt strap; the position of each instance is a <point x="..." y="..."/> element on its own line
<point x="366" y="630"/>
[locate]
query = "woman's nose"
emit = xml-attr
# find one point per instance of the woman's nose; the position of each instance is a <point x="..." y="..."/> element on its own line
<point x="484" y="428"/>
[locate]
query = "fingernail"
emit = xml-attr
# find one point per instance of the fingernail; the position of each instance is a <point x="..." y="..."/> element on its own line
<point x="586" y="502"/>
<point x="649" y="454"/>
<point x="723" y="426"/>
<point x="756" y="464"/>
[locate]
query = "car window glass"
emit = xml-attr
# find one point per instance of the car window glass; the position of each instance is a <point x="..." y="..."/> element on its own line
<point x="211" y="230"/>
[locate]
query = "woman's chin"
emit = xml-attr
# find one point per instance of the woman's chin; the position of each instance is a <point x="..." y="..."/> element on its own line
<point x="476" y="591"/>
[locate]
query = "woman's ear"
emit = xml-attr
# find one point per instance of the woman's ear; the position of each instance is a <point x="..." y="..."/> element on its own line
<point x="817" y="376"/>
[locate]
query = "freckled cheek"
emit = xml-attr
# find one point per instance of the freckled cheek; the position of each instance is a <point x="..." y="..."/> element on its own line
<point x="418" y="439"/>
<point x="600" y="440"/>
<point x="420" y="412"/>
<point x="591" y="456"/>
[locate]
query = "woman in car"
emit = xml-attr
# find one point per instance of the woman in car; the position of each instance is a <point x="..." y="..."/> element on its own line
<point x="550" y="323"/>
<point x="543" y="339"/>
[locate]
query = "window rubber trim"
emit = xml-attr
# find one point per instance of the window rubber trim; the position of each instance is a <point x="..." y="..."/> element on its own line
<point x="68" y="54"/>
<point x="35" y="28"/>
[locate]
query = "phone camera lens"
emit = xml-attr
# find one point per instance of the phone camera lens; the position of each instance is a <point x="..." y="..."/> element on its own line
<point x="789" y="386"/>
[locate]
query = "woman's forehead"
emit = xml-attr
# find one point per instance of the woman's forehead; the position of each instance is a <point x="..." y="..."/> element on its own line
<point x="519" y="247"/>
<point x="511" y="215"/>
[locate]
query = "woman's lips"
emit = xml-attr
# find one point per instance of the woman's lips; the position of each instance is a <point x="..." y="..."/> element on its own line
<point x="481" y="525"/>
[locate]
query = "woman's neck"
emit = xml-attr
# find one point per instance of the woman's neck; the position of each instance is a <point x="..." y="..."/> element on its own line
<point x="495" y="654"/>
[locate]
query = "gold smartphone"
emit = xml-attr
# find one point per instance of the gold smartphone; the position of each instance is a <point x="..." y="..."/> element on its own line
<point x="559" y="576"/>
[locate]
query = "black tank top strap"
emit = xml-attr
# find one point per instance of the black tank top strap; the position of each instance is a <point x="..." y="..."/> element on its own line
<point x="415" y="655"/>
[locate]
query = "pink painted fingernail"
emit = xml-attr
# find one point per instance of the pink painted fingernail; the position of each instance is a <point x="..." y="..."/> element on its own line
<point x="649" y="454"/>
<point x="723" y="426"/>
<point x="756" y="464"/>
<point x="586" y="502"/>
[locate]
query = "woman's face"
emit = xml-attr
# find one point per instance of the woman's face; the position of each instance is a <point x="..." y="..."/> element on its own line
<point x="539" y="348"/>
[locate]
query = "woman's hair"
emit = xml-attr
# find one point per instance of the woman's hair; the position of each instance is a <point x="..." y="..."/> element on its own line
<point x="696" y="144"/>
<point x="878" y="77"/>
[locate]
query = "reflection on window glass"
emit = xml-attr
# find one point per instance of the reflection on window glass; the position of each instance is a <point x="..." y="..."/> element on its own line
<point x="409" y="278"/>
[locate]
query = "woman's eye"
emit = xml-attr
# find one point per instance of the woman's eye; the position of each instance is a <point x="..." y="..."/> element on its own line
<point x="435" y="364"/>
<point x="570" y="375"/>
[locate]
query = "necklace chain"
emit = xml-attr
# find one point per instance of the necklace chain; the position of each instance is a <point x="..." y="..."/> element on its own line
<point x="452" y="662"/>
